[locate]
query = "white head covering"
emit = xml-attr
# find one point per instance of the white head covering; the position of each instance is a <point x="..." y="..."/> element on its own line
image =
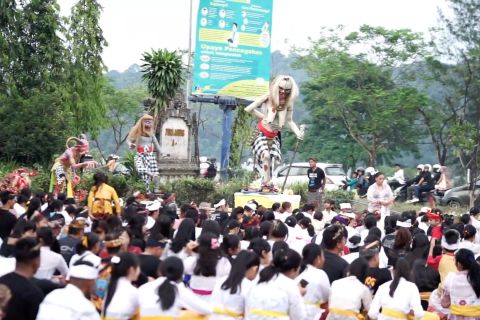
<point x="154" y="205"/>
<point x="83" y="271"/>
<point x="252" y="206"/>
<point x="405" y="224"/>
<point x="345" y="206"/>
<point x="220" y="203"/>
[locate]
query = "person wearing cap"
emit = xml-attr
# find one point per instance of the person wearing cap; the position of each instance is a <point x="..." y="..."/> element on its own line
<point x="150" y="258"/>
<point x="316" y="183"/>
<point x="71" y="302"/>
<point x="26" y="296"/>
<point x="221" y="212"/>
<point x="101" y="197"/>
<point x="75" y="234"/>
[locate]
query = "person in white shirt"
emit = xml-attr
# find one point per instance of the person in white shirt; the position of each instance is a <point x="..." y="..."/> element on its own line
<point x="318" y="285"/>
<point x="122" y="300"/>
<point x="328" y="211"/>
<point x="71" y="302"/>
<point x="206" y="267"/>
<point x="20" y="206"/>
<point x="380" y="197"/>
<point x="230" y="292"/>
<point x="461" y="292"/>
<point x="167" y="295"/>
<point x="349" y="296"/>
<point x="398" y="178"/>
<point x="49" y="261"/>
<point x="468" y="242"/>
<point x="88" y="249"/>
<point x="277" y="295"/>
<point x="398" y="297"/>
<point x="475" y="221"/>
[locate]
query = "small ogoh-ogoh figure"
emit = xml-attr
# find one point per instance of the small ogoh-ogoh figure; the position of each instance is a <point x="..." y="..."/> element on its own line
<point x="63" y="170"/>
<point x="142" y="139"/>
<point x="277" y="111"/>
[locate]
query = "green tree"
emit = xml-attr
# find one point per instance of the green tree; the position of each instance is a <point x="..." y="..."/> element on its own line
<point x="86" y="42"/>
<point x="163" y="72"/>
<point x="359" y="91"/>
<point x="122" y="107"/>
<point x="32" y="82"/>
<point x="458" y="40"/>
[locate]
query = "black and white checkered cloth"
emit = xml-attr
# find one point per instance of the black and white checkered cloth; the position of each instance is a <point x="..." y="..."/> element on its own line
<point x="146" y="165"/>
<point x="261" y="144"/>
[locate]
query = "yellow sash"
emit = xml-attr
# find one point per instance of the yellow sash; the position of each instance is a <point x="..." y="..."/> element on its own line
<point x="346" y="313"/>
<point x="466" y="311"/>
<point x="394" y="313"/>
<point x="226" y="312"/>
<point x="267" y="313"/>
<point x="430" y="316"/>
<point x="184" y="315"/>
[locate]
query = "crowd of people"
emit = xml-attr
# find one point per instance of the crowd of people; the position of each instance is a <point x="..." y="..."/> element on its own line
<point x="148" y="258"/>
<point x="427" y="179"/>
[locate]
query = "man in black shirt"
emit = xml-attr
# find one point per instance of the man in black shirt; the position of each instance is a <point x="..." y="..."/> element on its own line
<point x="26" y="296"/>
<point x="316" y="183"/>
<point x="426" y="184"/>
<point x="7" y="219"/>
<point x="334" y="240"/>
<point x="69" y="243"/>
<point x="150" y="258"/>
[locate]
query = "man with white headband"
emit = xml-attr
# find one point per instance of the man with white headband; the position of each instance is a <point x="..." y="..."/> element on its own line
<point x="72" y="302"/>
<point x="277" y="111"/>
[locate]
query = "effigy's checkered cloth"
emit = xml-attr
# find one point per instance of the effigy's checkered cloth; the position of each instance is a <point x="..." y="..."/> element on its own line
<point x="261" y="144"/>
<point x="146" y="165"/>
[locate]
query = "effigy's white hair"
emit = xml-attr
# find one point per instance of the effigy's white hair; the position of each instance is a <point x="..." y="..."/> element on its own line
<point x="274" y="94"/>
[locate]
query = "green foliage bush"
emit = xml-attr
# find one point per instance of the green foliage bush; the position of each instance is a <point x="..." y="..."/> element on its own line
<point x="191" y="189"/>
<point x="300" y="189"/>
<point x="340" y="196"/>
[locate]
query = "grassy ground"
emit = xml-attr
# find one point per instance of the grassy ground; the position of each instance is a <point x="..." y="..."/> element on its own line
<point x="399" y="207"/>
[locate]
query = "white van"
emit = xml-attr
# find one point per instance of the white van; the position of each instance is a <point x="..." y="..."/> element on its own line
<point x="334" y="175"/>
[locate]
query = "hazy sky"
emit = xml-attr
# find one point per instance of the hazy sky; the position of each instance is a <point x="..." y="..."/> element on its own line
<point x="132" y="27"/>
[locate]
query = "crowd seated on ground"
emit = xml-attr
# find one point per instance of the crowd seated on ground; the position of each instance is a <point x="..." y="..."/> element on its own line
<point x="147" y="257"/>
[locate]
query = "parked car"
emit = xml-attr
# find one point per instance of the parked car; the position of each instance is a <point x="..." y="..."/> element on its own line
<point x="459" y="196"/>
<point x="334" y="175"/>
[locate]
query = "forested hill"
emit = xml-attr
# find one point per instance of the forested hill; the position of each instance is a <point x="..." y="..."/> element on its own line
<point x="211" y="116"/>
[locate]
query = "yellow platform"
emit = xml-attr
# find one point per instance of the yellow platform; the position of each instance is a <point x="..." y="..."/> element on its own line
<point x="266" y="200"/>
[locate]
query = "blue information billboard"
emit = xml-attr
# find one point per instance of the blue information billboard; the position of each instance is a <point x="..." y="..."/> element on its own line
<point x="232" y="51"/>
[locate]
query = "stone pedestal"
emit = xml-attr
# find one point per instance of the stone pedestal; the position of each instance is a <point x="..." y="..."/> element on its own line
<point x="176" y="132"/>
